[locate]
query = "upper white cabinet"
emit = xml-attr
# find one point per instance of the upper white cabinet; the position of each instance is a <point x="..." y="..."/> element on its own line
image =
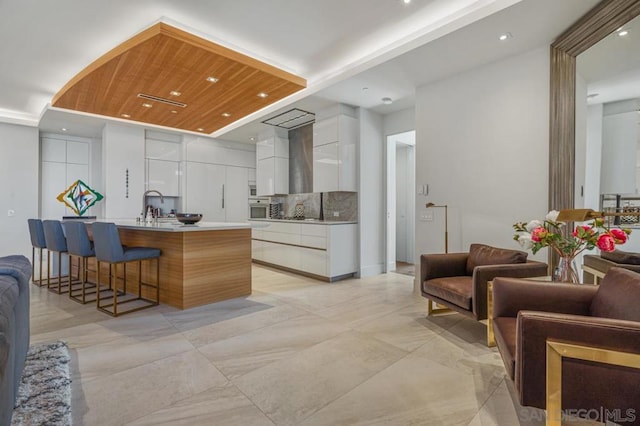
<point x="64" y="160"/>
<point x="272" y="166"/>
<point x="163" y="166"/>
<point x="334" y="154"/>
<point x="164" y="176"/>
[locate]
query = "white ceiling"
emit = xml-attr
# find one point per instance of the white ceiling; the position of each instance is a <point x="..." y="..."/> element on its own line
<point x="339" y="46"/>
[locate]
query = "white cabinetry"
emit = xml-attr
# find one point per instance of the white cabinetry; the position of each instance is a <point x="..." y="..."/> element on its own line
<point x="326" y="251"/>
<point x="205" y="190"/>
<point x="272" y="166"/>
<point x="216" y="179"/>
<point x="164" y="176"/>
<point x="163" y="166"/>
<point x="65" y="159"/>
<point x="218" y="192"/>
<point x="236" y="194"/>
<point x="334" y="154"/>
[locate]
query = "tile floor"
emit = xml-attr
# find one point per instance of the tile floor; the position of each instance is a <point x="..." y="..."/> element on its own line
<point x="296" y="352"/>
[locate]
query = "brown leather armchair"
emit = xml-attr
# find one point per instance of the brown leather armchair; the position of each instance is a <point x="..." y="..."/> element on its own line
<point x="527" y="314"/>
<point x="595" y="267"/>
<point x="459" y="280"/>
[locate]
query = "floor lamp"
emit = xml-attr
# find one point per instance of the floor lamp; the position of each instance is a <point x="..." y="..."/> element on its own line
<point x="446" y="224"/>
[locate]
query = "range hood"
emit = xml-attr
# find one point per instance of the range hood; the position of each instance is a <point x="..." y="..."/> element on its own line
<point x="291" y="119"/>
<point x="301" y="160"/>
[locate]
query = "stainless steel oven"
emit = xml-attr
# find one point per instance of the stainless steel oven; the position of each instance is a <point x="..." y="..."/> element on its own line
<point x="258" y="208"/>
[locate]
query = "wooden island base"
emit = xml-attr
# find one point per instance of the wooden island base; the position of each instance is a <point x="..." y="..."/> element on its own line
<point x="196" y="268"/>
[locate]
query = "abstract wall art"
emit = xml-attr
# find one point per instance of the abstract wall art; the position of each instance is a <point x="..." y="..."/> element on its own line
<point x="79" y="197"/>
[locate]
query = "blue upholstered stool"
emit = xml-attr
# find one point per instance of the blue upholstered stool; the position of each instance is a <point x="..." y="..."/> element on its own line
<point x="57" y="243"/>
<point x="109" y="250"/>
<point x="36" y="231"/>
<point x="79" y="245"/>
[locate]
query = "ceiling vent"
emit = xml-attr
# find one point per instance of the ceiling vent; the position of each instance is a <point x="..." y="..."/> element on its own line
<point x="163" y="100"/>
<point x="291" y="119"/>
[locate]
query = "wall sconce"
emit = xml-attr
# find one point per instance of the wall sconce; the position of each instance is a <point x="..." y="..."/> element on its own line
<point x="446" y="224"/>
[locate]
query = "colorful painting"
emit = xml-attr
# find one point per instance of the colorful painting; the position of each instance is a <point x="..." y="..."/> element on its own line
<point x="79" y="197"/>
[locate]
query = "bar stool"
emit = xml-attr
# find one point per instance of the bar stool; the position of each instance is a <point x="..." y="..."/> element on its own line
<point x="36" y="231"/>
<point x="79" y="245"/>
<point x="108" y="249"/>
<point x="57" y="243"/>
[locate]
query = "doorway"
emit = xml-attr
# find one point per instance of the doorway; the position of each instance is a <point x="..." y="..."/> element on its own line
<point x="400" y="183"/>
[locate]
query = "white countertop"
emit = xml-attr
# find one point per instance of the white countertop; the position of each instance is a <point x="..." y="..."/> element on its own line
<point x="175" y="226"/>
<point x="307" y="221"/>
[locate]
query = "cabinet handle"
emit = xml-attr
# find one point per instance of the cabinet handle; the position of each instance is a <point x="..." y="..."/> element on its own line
<point x="223" y="195"/>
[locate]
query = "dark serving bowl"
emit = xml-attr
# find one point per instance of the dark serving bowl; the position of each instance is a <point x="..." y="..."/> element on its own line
<point x="188" y="218"/>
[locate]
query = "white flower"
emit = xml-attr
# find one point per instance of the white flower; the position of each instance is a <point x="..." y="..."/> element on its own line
<point x="552" y="216"/>
<point x="533" y="225"/>
<point x="524" y="238"/>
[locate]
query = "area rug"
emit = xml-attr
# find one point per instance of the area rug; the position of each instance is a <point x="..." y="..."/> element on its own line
<point x="44" y="397"/>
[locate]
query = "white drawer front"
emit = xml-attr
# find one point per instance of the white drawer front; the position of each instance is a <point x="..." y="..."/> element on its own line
<point x="285" y="227"/>
<point x="310" y="241"/>
<point x="314" y="261"/>
<point x="280" y="237"/>
<point x="314" y="230"/>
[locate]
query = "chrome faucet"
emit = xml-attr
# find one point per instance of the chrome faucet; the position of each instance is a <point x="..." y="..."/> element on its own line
<point x="144" y="201"/>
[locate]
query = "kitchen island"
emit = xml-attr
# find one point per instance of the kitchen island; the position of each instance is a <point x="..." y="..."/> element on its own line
<point x="200" y="264"/>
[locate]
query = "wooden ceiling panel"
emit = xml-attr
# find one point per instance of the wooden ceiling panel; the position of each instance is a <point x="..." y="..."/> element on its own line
<point x="163" y="59"/>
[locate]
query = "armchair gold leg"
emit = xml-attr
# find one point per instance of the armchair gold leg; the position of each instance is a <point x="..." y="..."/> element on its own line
<point x="556" y="351"/>
<point x="432" y="310"/>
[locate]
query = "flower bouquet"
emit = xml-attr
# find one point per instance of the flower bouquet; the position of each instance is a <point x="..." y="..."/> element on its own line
<point x="536" y="235"/>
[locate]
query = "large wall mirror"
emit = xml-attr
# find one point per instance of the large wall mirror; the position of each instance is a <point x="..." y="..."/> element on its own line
<point x="600" y="22"/>
<point x="608" y="122"/>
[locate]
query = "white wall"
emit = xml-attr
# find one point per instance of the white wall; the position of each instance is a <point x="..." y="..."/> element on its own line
<point x="19" y="174"/>
<point x="581" y="142"/>
<point x="619" y="146"/>
<point x="401" y="121"/>
<point x="371" y="208"/>
<point x="593" y="158"/>
<point x="122" y="149"/>
<point x="482" y="147"/>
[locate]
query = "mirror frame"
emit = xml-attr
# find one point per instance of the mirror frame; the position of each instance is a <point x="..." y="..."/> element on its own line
<point x="599" y="22"/>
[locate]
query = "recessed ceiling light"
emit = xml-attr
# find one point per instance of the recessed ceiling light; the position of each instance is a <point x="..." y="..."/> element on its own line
<point x="175" y="93"/>
<point x="200" y="129"/>
<point x="226" y="114"/>
<point x="146" y="105"/>
<point x="125" y="115"/>
<point x="211" y="79"/>
<point x="64" y="129"/>
<point x="365" y="88"/>
<point x="505" y="36"/>
<point x="623" y="33"/>
<point x="387" y="101"/>
<point x="406" y="1"/>
<point x="262" y="95"/>
<point x="173" y="111"/>
<point x="252" y="139"/>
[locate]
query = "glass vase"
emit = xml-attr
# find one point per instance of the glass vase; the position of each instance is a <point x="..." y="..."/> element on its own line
<point x="566" y="271"/>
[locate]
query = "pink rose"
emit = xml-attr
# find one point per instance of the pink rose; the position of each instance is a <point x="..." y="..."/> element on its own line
<point x="606" y="242"/>
<point x="619" y="236"/>
<point x="538" y="234"/>
<point x="584" y="230"/>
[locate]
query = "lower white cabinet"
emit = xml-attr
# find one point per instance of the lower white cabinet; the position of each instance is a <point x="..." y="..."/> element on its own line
<point x="324" y="250"/>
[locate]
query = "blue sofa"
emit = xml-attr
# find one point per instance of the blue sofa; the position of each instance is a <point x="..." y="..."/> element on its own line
<point x="15" y="273"/>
